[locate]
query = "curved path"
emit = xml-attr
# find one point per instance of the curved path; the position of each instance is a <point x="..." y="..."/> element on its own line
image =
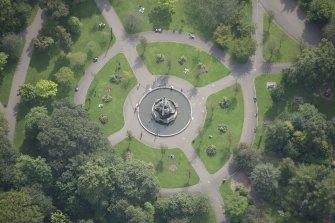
<point x="286" y="15"/>
<point x="21" y="72"/>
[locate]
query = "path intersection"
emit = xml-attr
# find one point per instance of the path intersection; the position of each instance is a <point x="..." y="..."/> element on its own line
<point x="285" y="13"/>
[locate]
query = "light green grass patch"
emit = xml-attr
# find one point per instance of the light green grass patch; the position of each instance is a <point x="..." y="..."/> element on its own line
<point x="184" y="174"/>
<point x="119" y="92"/>
<point x="284" y="48"/>
<point x="173" y="52"/>
<point x="225" y="190"/>
<point x="224" y="142"/>
<point x="267" y="110"/>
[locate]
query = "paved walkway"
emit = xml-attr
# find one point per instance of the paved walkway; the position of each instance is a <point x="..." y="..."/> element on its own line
<point x="21" y="72"/>
<point x="285" y="14"/>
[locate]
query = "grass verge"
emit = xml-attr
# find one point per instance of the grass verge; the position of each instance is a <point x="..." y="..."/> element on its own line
<point x="118" y="93"/>
<point x="184" y="175"/>
<point x="172" y="52"/>
<point x="232" y="117"/>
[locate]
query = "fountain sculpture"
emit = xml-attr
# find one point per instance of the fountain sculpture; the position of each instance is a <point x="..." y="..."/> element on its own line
<point x="164" y="110"/>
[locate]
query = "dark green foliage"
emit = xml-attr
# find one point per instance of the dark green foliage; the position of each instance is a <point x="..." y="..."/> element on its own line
<point x="11" y="45"/>
<point x="63" y="38"/>
<point x="55" y="8"/>
<point x="29" y="171"/>
<point x="18" y="207"/>
<point x="278" y="94"/>
<point x="74" y="25"/>
<point x="67" y="133"/>
<point x="329" y="30"/>
<point x="320" y="11"/>
<point x="160" y="17"/>
<point x="254" y="214"/>
<point x="264" y="180"/>
<point x="14" y="15"/>
<point x="235" y="208"/>
<point x="43" y="42"/>
<point x="133" y="23"/>
<point x="304" y="135"/>
<point x="287" y="171"/>
<point x="245" y="157"/>
<point x="243" y="48"/>
<point x="314" y="68"/>
<point x="34" y="119"/>
<point x="311" y="193"/>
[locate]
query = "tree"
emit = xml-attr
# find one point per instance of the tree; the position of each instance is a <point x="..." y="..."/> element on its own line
<point x="43" y="42"/>
<point x="68" y="132"/>
<point x="169" y="4"/>
<point x="208" y="14"/>
<point x="135" y="181"/>
<point x="4" y="129"/>
<point x="314" y="68"/>
<point x="46" y="89"/>
<point x="277" y="137"/>
<point x="63" y="38"/>
<point x="27" y="92"/>
<point x="278" y="94"/>
<point x="96" y="183"/>
<point x="329" y="30"/>
<point x="11" y="45"/>
<point x="287" y="171"/>
<point x="126" y="212"/>
<point x="179" y="206"/>
<point x="33" y="120"/>
<point x="320" y="11"/>
<point x="17" y="207"/>
<point x="255" y="215"/>
<point x="133" y="23"/>
<point x="160" y="17"/>
<point x="244" y="48"/>
<point x="3" y="60"/>
<point x="222" y="34"/>
<point x="243" y="27"/>
<point x="59" y="217"/>
<point x="74" y="25"/>
<point x="55" y="8"/>
<point x="65" y="78"/>
<point x="264" y="180"/>
<point x="13" y="17"/>
<point x="245" y="157"/>
<point x="311" y="191"/>
<point x="235" y="208"/>
<point x="29" y="171"/>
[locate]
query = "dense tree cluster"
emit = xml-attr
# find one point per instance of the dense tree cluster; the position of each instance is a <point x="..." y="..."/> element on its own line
<point x="227" y="22"/>
<point x="314" y="68"/>
<point x="42" y="91"/>
<point x="304" y="135"/>
<point x="321" y="12"/>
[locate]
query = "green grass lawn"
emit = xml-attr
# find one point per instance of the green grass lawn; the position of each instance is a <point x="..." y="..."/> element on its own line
<point x="267" y="110"/>
<point x="119" y="92"/>
<point x="224" y="142"/>
<point x="172" y="52"/>
<point x="284" y="48"/>
<point x="184" y="174"/>
<point x="182" y="19"/>
<point x="44" y="65"/>
<point x="225" y="190"/>
<point x="6" y="77"/>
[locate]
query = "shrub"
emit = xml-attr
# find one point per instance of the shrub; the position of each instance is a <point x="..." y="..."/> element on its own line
<point x="222" y="128"/>
<point x="224" y="103"/>
<point x="103" y="119"/>
<point x="241" y="190"/>
<point x="211" y="150"/>
<point x="116" y="79"/>
<point x="106" y="98"/>
<point x="159" y="58"/>
<point x="182" y="60"/>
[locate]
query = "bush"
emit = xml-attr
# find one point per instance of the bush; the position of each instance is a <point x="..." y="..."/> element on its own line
<point x="222" y="128"/>
<point x="116" y="79"/>
<point x="241" y="190"/>
<point x="106" y="98"/>
<point x="133" y="23"/>
<point x="224" y="103"/>
<point x="159" y="58"/>
<point x="211" y="150"/>
<point x="245" y="157"/>
<point x="103" y="119"/>
<point x="182" y="60"/>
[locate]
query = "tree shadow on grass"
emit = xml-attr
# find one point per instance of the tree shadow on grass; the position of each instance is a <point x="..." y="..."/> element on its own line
<point x="159" y="166"/>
